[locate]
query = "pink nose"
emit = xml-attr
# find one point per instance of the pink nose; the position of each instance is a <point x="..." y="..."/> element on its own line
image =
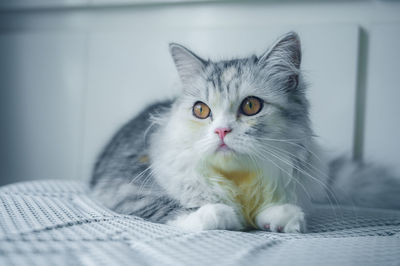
<point x="222" y="132"/>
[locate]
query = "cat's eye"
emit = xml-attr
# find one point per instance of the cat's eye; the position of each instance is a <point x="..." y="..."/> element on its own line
<point x="251" y="106"/>
<point x="201" y="110"/>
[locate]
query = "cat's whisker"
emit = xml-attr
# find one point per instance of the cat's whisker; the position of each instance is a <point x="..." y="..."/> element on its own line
<point x="286" y="172"/>
<point x="145" y="181"/>
<point x="326" y="188"/>
<point x="283" y="140"/>
<point x="299" y="183"/>
<point x="152" y="123"/>
<point x="140" y="174"/>
<point x="329" y="192"/>
<point x="205" y="145"/>
<point x="290" y="142"/>
<point x="275" y="154"/>
<point x="303" y="161"/>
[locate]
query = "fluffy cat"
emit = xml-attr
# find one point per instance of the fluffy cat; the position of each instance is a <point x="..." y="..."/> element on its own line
<point x="234" y="151"/>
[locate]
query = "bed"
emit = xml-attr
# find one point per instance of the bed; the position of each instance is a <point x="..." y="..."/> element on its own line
<point x="59" y="223"/>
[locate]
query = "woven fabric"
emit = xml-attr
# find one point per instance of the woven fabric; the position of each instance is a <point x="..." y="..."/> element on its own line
<point x="58" y="223"/>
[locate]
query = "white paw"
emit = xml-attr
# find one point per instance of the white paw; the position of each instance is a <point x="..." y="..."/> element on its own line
<point x="209" y="217"/>
<point x="286" y="218"/>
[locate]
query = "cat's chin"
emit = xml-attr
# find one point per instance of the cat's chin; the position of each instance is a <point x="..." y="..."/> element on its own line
<point x="224" y="149"/>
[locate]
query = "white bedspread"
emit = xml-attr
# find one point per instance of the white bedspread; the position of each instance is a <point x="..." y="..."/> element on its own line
<point x="57" y="223"/>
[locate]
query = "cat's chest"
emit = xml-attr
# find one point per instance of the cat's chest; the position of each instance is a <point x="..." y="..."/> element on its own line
<point x="247" y="189"/>
<point x="241" y="178"/>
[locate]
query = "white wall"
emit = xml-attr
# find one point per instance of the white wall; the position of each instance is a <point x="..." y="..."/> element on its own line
<point x="382" y="127"/>
<point x="71" y="73"/>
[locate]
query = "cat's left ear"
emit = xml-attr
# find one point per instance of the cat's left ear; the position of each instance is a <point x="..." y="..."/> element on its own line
<point x="283" y="59"/>
<point x="188" y="64"/>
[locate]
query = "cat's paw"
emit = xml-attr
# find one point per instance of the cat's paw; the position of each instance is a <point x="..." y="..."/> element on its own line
<point x="209" y="217"/>
<point x="286" y="218"/>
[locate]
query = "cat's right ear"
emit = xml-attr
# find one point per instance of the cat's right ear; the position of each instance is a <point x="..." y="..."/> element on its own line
<point x="187" y="63"/>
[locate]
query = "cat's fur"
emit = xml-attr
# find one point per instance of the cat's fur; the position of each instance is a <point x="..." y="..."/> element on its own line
<point x="165" y="164"/>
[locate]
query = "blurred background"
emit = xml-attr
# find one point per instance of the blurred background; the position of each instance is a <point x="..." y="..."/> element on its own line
<point x="73" y="71"/>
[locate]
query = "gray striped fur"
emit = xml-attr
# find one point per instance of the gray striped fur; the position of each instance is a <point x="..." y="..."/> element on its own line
<point x="121" y="177"/>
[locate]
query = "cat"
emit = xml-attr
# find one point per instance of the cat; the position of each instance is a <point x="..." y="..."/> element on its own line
<point x="235" y="150"/>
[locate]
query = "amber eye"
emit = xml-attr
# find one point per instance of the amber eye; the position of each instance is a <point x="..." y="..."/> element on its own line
<point x="201" y="110"/>
<point x="251" y="105"/>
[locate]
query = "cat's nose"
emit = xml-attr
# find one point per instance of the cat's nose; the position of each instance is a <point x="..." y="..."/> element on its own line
<point x="222" y="132"/>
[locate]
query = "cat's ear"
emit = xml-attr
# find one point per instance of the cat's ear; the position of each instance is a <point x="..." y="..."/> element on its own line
<point x="187" y="63"/>
<point x="283" y="59"/>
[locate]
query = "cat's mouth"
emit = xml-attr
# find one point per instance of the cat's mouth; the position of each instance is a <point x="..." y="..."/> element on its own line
<point x="223" y="147"/>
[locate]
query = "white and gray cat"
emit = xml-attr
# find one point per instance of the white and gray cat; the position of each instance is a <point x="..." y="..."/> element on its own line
<point x="234" y="151"/>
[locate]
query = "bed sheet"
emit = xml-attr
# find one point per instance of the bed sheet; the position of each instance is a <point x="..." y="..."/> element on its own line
<point x="59" y="223"/>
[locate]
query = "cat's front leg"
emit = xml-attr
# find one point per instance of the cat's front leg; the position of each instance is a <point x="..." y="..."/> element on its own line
<point x="285" y="218"/>
<point x="209" y="217"/>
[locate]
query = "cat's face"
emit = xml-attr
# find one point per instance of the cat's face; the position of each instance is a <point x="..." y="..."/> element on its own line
<point x="242" y="106"/>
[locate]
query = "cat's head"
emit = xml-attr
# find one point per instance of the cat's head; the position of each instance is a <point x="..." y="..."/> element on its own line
<point x="242" y="106"/>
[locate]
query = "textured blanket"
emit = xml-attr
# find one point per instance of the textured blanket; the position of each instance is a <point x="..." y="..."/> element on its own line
<point x="58" y="223"/>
